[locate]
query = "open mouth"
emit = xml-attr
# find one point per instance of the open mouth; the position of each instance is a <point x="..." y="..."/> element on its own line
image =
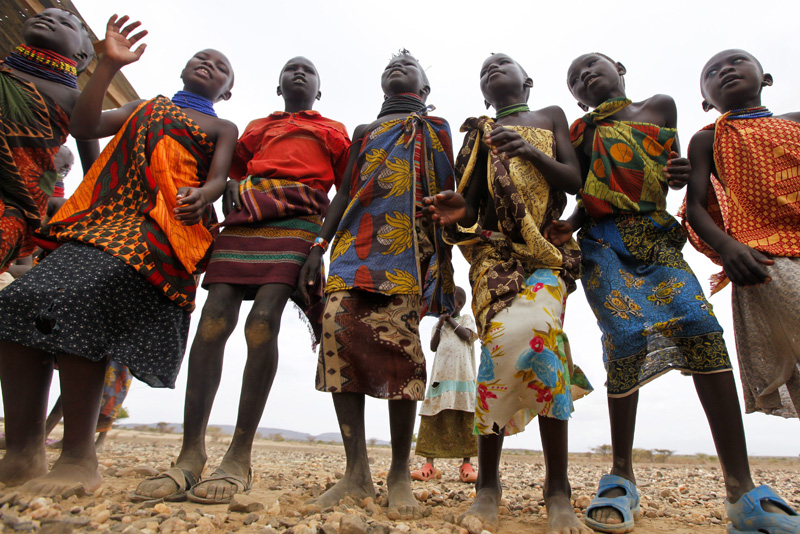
<point x="43" y="24"/>
<point x="590" y="79"/>
<point x="204" y="71"/>
<point x="729" y="79"/>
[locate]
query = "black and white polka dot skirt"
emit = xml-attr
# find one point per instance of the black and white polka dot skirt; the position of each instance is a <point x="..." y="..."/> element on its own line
<point x="81" y="300"/>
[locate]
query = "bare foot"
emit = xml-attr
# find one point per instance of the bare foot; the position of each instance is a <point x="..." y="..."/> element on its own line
<point x="230" y="478"/>
<point x="356" y="487"/>
<point x="16" y="469"/>
<point x="482" y="515"/>
<point x="68" y="475"/>
<point x="561" y="518"/>
<point x="605" y="514"/>
<point x="402" y="503"/>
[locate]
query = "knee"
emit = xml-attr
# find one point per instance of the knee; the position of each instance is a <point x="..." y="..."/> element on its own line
<point x="262" y="326"/>
<point x="216" y="322"/>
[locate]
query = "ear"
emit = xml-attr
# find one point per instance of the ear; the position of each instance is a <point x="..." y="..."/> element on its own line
<point x="766" y="80"/>
<point x="224" y="96"/>
<point x="319" y="95"/>
<point x="621" y="69"/>
<point x="425" y="91"/>
<point x="488" y="105"/>
<point x="528" y="83"/>
<point x="583" y="106"/>
<point x="81" y="56"/>
<point x="707" y="106"/>
<point x="280" y="93"/>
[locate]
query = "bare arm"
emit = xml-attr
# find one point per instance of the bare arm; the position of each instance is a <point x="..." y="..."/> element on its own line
<point x="87" y="152"/>
<point x="743" y="265"/>
<point x="88" y="120"/>
<point x="437" y="332"/>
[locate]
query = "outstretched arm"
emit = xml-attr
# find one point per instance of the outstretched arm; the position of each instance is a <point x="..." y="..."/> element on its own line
<point x="88" y="120"/>
<point x="743" y="265"/>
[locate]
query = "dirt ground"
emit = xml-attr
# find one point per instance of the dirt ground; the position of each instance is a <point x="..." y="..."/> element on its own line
<point x="683" y="496"/>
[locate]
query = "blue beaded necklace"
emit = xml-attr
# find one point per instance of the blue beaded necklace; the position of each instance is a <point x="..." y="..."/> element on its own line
<point x="185" y="99"/>
<point x="749" y="113"/>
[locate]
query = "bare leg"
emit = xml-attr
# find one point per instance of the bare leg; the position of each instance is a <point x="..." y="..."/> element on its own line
<point x="25" y="374"/>
<point x="357" y="480"/>
<point x="717" y="393"/>
<point x="100" y="442"/>
<point x="561" y="518"/>
<point x="622" y="413"/>
<point x="81" y="391"/>
<point x="217" y="322"/>
<point x="261" y="332"/>
<point x="56" y="414"/>
<point x="402" y="503"/>
<point x="487" y="488"/>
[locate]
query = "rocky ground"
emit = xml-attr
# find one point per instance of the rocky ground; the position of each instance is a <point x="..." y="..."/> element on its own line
<point x="682" y="496"/>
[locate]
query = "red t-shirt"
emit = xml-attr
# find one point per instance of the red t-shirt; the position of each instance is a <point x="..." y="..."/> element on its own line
<point x="304" y="147"/>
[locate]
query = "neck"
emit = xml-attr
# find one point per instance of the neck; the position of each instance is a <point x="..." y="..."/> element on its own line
<point x="187" y="99"/>
<point x="297" y="107"/>
<point x="44" y="64"/>
<point x="403" y="103"/>
<point x="512" y="109"/>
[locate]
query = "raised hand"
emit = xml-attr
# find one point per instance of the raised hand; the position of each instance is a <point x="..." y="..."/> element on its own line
<point x="119" y="41"/>
<point x="677" y="171"/>
<point x="447" y="207"/>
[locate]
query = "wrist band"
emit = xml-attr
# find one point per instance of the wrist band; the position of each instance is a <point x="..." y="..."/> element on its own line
<point x="321" y="243"/>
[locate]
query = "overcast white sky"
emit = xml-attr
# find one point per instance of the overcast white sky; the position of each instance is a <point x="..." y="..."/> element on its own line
<point x="663" y="46"/>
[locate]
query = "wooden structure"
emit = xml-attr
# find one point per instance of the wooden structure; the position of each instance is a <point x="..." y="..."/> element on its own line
<point x="13" y="14"/>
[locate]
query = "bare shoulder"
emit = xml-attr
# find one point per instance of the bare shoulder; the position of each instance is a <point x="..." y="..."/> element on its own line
<point x="362" y="130"/>
<point x="555" y="113"/>
<point x="227" y="129"/>
<point x="702" y="143"/>
<point x="793" y="116"/>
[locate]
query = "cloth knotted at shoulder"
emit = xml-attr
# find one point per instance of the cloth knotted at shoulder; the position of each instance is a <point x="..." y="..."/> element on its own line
<point x="754" y="197"/>
<point x="524" y="204"/>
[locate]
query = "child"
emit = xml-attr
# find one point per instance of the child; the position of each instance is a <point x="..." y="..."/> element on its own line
<point x="514" y="172"/>
<point x="284" y="165"/>
<point x="121" y="286"/>
<point x="387" y="263"/>
<point x="448" y="412"/>
<point x="748" y="219"/>
<point x="38" y="82"/>
<point x="647" y="301"/>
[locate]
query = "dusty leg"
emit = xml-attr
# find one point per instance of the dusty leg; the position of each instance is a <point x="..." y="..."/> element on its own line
<point x="488" y="490"/>
<point x="402" y="503"/>
<point x="81" y="391"/>
<point x="561" y="518"/>
<point x="261" y="332"/>
<point x="25" y="375"/>
<point x="56" y="414"/>
<point x="622" y="413"/>
<point x="357" y="480"/>
<point x="217" y="322"/>
<point x="717" y="393"/>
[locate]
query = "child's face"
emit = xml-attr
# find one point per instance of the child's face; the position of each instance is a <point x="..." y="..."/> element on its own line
<point x="208" y="73"/>
<point x="460" y="300"/>
<point x="299" y="81"/>
<point x="501" y="75"/>
<point x="404" y="75"/>
<point x="54" y="29"/>
<point x="732" y="79"/>
<point x="592" y="79"/>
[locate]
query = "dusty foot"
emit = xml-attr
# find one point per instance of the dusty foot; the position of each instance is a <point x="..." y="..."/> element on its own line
<point x="402" y="503"/>
<point x="158" y="488"/>
<point x="219" y="490"/>
<point x="16" y="469"/>
<point x="68" y="476"/>
<point x="561" y="518"/>
<point x="356" y="487"/>
<point x="607" y="515"/>
<point x="482" y="515"/>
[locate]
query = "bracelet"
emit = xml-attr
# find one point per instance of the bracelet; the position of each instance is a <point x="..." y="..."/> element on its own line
<point x="321" y="243"/>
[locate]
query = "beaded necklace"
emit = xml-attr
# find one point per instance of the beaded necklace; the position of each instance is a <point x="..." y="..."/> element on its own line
<point x="44" y="64"/>
<point x="185" y="99"/>
<point x="749" y="113"/>
<point x="402" y="103"/>
<point x="513" y="108"/>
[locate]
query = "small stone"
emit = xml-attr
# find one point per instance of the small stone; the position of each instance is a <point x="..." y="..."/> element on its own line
<point x="351" y="524"/>
<point x="250" y="518"/>
<point x="58" y="527"/>
<point x="275" y="508"/>
<point x="582" y="501"/>
<point x="303" y="529"/>
<point x="245" y="504"/>
<point x="421" y="495"/>
<point x="310" y="509"/>
<point x="327" y="528"/>
<point x="503" y="510"/>
<point x="161" y="508"/>
<point x="101" y="516"/>
<point x="472" y="524"/>
<point x="665" y="493"/>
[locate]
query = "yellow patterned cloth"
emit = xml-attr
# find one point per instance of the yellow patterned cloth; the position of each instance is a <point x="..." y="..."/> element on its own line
<point x="756" y="198"/>
<point x="524" y="204"/>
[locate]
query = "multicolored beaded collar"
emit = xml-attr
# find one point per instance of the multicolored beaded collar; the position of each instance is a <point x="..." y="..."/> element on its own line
<point x="44" y="64"/>
<point x="749" y="113"/>
<point x="513" y="108"/>
<point x="185" y="99"/>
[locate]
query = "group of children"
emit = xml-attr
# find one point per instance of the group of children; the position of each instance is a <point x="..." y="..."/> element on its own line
<point x="125" y="250"/>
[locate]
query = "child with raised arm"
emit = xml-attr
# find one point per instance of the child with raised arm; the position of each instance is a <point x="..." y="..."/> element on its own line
<point x="744" y="205"/>
<point x="38" y="88"/>
<point x="515" y="171"/>
<point x="121" y="284"/>
<point x="648" y="303"/>
<point x="388" y="264"/>
<point x="447" y="415"/>
<point x="282" y="169"/>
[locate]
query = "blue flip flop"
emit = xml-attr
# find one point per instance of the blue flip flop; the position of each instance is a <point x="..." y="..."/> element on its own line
<point x="747" y="516"/>
<point x="627" y="505"/>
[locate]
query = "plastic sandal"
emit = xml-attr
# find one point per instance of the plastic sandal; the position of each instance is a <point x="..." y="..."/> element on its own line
<point x="425" y="473"/>
<point x="627" y="505"/>
<point x="467" y="473"/>
<point x="747" y="516"/>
